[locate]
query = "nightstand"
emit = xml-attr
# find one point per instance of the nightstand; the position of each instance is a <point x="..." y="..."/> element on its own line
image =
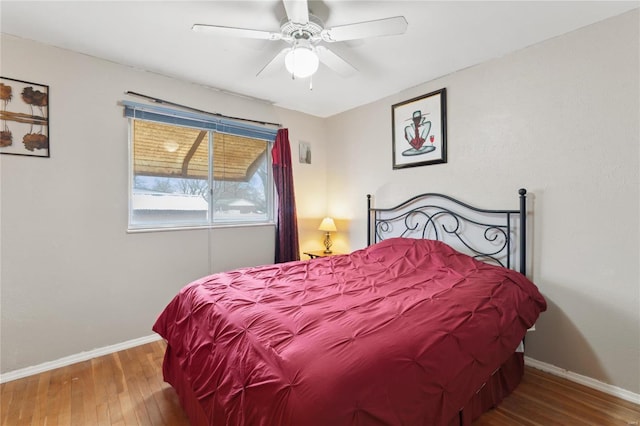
<point x="319" y="253"/>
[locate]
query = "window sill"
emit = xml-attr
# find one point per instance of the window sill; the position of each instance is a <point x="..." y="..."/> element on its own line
<point x="199" y="227"/>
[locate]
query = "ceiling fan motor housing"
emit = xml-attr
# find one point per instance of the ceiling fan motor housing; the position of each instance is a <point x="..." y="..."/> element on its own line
<point x="311" y="31"/>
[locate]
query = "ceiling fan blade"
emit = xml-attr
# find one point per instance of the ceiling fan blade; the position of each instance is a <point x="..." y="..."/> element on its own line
<point x="275" y="63"/>
<point x="335" y="62"/>
<point x="380" y="27"/>
<point x="236" y="32"/>
<point x="297" y="11"/>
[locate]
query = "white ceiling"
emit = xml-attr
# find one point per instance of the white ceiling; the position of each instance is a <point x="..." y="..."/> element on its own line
<point x="442" y="37"/>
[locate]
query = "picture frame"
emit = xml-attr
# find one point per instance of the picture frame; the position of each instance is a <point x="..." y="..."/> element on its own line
<point x="419" y="128"/>
<point x="24" y="118"/>
<point x="304" y="151"/>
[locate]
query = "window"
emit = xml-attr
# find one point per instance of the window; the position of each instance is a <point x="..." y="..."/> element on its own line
<point x="191" y="170"/>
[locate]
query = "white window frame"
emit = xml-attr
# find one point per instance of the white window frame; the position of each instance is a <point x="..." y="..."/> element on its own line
<point x="211" y="124"/>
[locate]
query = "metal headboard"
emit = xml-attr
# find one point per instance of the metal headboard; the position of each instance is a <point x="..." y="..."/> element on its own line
<point x="494" y="236"/>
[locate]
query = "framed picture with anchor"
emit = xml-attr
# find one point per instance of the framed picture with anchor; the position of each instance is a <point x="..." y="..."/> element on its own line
<point x="420" y="130"/>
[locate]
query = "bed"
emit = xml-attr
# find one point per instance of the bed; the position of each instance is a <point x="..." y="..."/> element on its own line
<point x="406" y="331"/>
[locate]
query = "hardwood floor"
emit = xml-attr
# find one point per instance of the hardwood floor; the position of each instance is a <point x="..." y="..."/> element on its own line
<point x="126" y="388"/>
<point x="542" y="399"/>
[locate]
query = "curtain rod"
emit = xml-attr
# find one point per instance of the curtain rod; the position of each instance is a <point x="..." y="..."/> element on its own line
<point x="161" y="101"/>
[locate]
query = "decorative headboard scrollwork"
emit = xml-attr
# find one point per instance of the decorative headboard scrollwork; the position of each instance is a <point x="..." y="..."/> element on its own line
<point x="494" y="236"/>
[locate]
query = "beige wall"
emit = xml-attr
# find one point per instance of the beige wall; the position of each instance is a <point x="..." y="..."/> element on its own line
<point x="71" y="278"/>
<point x="560" y="118"/>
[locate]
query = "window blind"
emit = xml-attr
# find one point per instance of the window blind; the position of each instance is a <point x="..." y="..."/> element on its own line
<point x="197" y="120"/>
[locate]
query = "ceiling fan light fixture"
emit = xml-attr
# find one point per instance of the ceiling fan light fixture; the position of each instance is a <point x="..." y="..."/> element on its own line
<point x="302" y="61"/>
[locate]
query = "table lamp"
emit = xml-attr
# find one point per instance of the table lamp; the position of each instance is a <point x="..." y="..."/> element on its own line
<point x="327" y="226"/>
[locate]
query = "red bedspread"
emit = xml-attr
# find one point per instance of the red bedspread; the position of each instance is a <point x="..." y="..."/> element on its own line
<point x="402" y="332"/>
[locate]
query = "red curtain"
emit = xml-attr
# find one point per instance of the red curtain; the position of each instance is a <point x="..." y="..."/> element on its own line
<point x="287" y="247"/>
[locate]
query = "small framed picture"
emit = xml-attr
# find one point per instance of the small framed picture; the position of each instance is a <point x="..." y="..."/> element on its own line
<point x="305" y="152"/>
<point x="420" y="130"/>
<point x="24" y="118"/>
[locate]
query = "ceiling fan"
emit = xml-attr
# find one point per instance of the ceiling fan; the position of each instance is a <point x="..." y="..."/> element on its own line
<point x="304" y="32"/>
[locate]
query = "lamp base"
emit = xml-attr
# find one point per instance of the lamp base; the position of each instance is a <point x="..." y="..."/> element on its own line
<point x="327" y="243"/>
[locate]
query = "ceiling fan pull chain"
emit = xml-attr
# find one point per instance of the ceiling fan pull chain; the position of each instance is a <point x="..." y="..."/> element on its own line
<point x="311" y="83"/>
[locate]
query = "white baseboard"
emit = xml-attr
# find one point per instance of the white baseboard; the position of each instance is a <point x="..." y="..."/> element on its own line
<point x="72" y="359"/>
<point x="583" y="380"/>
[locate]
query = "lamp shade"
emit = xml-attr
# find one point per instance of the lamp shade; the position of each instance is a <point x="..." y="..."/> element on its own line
<point x="301" y="60"/>
<point x="327" y="225"/>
